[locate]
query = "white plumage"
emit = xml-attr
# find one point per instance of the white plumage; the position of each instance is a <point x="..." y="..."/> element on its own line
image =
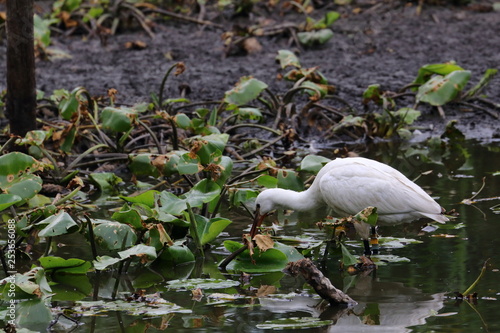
<point x="348" y="185"/>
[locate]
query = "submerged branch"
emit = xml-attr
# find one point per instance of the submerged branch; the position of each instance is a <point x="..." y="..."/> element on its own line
<point x="321" y="284"/>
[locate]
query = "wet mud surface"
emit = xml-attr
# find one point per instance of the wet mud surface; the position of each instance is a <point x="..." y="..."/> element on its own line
<point x="385" y="43"/>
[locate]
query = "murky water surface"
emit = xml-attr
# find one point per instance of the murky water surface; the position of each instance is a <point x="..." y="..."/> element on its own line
<point x="415" y="295"/>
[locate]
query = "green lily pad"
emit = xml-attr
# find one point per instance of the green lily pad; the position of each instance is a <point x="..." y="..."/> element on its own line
<point x="203" y="192"/>
<point x="103" y="262"/>
<point x="313" y="163"/>
<point x="16" y="175"/>
<point x="7" y="200"/>
<point x="310" y="38"/>
<point x="56" y="225"/>
<point x="33" y="314"/>
<point x="177" y="254"/>
<point x="67" y="266"/>
<point x="246" y="90"/>
<point x="106" y="181"/>
<point x="189" y="284"/>
<point x="294" y="323"/>
<point x="289" y="180"/>
<point x="287" y="58"/>
<point x="272" y="260"/>
<point x="147" y="198"/>
<point x="209" y="229"/>
<point x="425" y="72"/>
<point x="153" y="306"/>
<point x="140" y="165"/>
<point x="114" y="235"/>
<point x="118" y="119"/>
<point x="440" y="90"/>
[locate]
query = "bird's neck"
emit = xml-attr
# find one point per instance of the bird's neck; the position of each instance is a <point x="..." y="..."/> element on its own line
<point x="299" y="201"/>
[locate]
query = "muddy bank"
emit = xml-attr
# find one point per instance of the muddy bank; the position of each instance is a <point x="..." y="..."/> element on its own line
<point x="384" y="44"/>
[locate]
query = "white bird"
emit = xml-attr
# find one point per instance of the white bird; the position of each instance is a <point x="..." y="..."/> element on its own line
<point x="349" y="185"/>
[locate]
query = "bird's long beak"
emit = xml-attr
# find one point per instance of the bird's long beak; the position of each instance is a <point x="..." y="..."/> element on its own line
<point x="257" y="221"/>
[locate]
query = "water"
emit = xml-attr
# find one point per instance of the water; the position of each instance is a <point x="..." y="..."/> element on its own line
<point x="412" y="296"/>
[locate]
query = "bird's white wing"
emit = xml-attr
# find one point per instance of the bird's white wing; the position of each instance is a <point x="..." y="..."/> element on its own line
<point x="350" y="186"/>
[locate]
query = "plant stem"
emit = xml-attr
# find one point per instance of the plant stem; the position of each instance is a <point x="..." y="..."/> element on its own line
<point x="153" y="136"/>
<point x="194" y="230"/>
<point x="91" y="237"/>
<point x="472" y="286"/>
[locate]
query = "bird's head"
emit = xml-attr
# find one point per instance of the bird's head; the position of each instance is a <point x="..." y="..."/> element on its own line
<point x="264" y="205"/>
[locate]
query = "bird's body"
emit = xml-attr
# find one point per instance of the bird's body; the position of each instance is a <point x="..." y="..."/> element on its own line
<point x="348" y="185"/>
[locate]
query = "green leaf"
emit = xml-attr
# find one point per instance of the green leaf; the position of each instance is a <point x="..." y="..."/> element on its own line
<point x="147" y="198"/>
<point x="289" y="180"/>
<point x="67" y="144"/>
<point x="347" y="258"/>
<point x="56" y="225"/>
<point x="294" y="323"/>
<point x="33" y="314"/>
<point x="188" y="165"/>
<point x="248" y="113"/>
<point x="226" y="164"/>
<point x="425" y="72"/>
<point x="440" y="90"/>
<point x="171" y="204"/>
<point x="188" y="284"/>
<point x="368" y="215"/>
<point x="246" y="90"/>
<point x="407" y="115"/>
<point x="118" y="119"/>
<point x="182" y="121"/>
<point x="243" y="195"/>
<point x="114" y="235"/>
<point x="134" y="216"/>
<point x="67" y="266"/>
<point x="35" y="138"/>
<point x="153" y="307"/>
<point x="177" y="254"/>
<point x="287" y="58"/>
<point x="316" y="90"/>
<point x="106" y="181"/>
<point x="70" y="287"/>
<point x="272" y="260"/>
<point x="209" y="229"/>
<point x="7" y="200"/>
<point x="41" y="31"/>
<point x="139" y="250"/>
<point x="311" y="38"/>
<point x="140" y="165"/>
<point x="330" y="17"/>
<point x="488" y="75"/>
<point x="203" y="192"/>
<point x="16" y="175"/>
<point x="267" y="181"/>
<point x="313" y="163"/>
<point x="103" y="262"/>
<point x="372" y="93"/>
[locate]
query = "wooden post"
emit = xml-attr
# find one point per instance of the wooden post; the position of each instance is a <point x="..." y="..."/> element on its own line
<point x="21" y="84"/>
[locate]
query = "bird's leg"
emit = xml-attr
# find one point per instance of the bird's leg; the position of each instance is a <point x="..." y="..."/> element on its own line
<point x="366" y="244"/>
<point x="374" y="240"/>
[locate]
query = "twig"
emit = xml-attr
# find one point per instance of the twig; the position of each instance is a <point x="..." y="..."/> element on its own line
<point x="185" y="18"/>
<point x="480" y="108"/>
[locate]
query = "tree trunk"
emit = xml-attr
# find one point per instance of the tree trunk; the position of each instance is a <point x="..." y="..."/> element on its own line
<point x="21" y="84"/>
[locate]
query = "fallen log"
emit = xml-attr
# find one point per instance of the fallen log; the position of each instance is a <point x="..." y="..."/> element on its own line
<point x="319" y="282"/>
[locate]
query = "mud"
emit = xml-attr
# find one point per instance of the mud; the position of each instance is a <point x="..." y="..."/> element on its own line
<point x="385" y="43"/>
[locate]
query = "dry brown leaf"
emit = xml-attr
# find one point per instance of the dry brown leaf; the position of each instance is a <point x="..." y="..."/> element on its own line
<point x="263" y="242"/>
<point x="265" y="290"/>
<point x="252" y="45"/>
